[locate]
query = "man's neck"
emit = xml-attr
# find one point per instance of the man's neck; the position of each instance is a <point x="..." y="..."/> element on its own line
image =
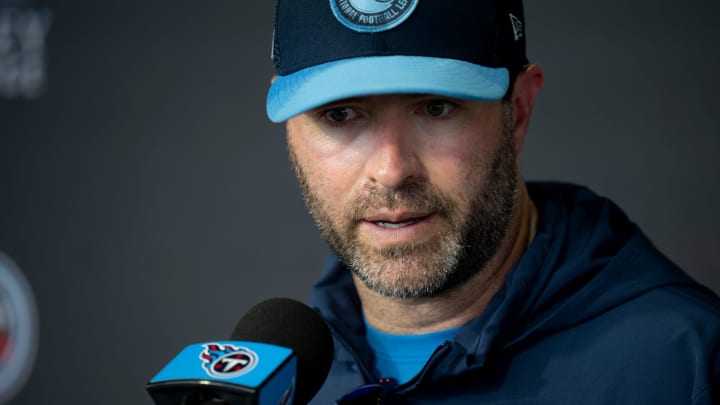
<point x="464" y="302"/>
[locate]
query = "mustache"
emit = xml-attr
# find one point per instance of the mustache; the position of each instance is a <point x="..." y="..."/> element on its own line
<point x="410" y="195"/>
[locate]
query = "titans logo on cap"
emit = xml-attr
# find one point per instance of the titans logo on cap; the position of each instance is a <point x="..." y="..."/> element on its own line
<point x="372" y="15"/>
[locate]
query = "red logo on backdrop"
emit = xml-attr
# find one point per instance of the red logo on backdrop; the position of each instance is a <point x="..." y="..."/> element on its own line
<point x="18" y="325"/>
<point x="227" y="361"/>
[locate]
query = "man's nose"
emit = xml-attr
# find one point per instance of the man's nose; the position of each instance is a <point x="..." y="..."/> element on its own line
<point x="393" y="157"/>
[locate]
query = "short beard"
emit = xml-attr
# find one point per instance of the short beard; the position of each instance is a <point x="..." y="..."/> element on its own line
<point x="432" y="267"/>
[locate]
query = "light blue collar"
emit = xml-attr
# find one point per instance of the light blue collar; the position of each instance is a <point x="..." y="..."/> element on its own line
<point x="403" y="356"/>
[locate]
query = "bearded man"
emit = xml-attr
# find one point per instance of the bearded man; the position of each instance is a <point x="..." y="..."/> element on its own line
<point x="453" y="280"/>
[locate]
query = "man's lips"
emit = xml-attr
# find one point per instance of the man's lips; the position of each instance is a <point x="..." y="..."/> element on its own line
<point x="396" y="220"/>
<point x="394" y="225"/>
<point x="384" y="229"/>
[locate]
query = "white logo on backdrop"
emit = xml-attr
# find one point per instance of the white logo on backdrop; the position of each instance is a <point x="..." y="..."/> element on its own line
<point x="22" y="51"/>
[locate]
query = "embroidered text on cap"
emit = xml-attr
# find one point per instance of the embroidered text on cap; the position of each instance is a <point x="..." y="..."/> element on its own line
<point x="372" y="15"/>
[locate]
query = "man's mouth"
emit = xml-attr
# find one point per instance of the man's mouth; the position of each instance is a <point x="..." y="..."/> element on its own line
<point x="392" y="229"/>
<point x="395" y="225"/>
<point x="398" y="224"/>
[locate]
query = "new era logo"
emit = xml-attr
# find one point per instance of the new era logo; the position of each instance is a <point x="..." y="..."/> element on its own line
<point x="517" y="27"/>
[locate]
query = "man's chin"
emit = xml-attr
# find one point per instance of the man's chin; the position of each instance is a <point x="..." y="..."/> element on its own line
<point x="405" y="276"/>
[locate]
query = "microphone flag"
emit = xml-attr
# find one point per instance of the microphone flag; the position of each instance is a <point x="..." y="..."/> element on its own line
<point x="237" y="372"/>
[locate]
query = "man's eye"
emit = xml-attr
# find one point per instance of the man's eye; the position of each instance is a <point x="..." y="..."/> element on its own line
<point x="438" y="108"/>
<point x="341" y="114"/>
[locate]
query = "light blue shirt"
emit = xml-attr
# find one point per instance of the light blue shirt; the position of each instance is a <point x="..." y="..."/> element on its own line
<point x="403" y="356"/>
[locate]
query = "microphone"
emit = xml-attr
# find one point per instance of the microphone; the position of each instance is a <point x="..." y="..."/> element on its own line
<point x="279" y="353"/>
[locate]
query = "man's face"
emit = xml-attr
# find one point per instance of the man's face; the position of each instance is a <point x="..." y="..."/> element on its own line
<point x="414" y="193"/>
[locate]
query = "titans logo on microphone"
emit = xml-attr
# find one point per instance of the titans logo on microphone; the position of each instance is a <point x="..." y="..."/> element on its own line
<point x="227" y="361"/>
<point x="372" y="15"/>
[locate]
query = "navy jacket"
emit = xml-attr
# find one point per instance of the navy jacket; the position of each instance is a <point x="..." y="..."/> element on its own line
<point x="591" y="314"/>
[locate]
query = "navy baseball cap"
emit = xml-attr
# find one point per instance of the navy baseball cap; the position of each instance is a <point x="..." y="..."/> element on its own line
<point x="329" y="50"/>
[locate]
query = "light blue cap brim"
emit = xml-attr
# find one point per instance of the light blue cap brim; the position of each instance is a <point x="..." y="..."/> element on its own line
<point x="315" y="86"/>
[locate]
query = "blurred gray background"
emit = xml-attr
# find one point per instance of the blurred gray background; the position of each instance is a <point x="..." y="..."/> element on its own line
<point x="150" y="203"/>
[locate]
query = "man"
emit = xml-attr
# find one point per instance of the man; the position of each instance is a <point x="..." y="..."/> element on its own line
<point x="454" y="281"/>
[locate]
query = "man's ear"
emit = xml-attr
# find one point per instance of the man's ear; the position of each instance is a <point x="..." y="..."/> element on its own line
<point x="527" y="86"/>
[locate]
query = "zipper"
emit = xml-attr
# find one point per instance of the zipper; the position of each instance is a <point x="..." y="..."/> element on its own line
<point x="437" y="355"/>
